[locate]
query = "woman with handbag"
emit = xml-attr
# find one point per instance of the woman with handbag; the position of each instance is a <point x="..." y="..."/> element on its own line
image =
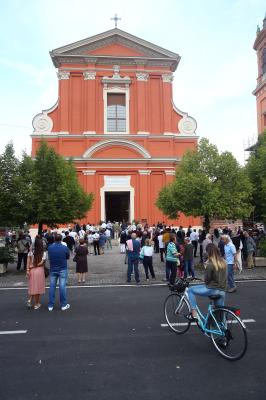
<point x="35" y="273"/>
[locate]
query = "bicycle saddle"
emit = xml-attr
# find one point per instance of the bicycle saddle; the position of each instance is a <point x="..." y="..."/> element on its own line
<point x="214" y="297"/>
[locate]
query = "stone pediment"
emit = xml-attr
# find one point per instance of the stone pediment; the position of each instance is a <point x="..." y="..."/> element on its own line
<point x="97" y="47"/>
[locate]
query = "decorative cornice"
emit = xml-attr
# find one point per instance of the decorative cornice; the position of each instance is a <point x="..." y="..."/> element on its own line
<point x="144" y="171"/>
<point x="89" y="75"/>
<point x="167" y="78"/>
<point x="142" y="76"/>
<point x="171" y="160"/>
<point x="62" y="75"/>
<point x="175" y="136"/>
<point x="89" y="172"/>
<point x="261" y="87"/>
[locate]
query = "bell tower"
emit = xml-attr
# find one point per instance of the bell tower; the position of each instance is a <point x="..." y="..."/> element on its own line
<point x="260" y="91"/>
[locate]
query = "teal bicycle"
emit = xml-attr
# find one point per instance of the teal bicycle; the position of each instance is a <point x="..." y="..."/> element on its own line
<point x="222" y="324"/>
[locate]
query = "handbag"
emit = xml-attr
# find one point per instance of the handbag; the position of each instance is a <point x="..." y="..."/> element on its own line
<point x="75" y="258"/>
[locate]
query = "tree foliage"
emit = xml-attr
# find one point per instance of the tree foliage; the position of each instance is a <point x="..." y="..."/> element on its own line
<point x="256" y="168"/>
<point x="9" y="187"/>
<point x="44" y="191"/>
<point x="207" y="184"/>
<point x="57" y="195"/>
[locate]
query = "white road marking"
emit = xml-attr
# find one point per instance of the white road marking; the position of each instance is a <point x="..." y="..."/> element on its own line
<point x="12" y="332"/>
<point x="245" y="321"/>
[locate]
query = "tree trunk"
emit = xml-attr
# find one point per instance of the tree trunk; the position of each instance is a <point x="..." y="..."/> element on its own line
<point x="40" y="228"/>
<point x="206" y="223"/>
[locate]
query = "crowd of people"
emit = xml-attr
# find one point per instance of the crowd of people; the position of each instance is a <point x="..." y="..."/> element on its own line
<point x="177" y="248"/>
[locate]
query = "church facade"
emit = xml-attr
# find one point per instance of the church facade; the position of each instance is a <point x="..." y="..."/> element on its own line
<point x="116" y="119"/>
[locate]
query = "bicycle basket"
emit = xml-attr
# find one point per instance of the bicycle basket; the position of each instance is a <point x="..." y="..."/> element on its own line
<point x="179" y="286"/>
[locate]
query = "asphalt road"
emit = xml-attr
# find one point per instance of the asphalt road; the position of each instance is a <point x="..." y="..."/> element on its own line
<point x="111" y="345"/>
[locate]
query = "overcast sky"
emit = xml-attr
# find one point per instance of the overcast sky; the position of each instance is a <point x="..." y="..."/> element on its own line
<point x="213" y="82"/>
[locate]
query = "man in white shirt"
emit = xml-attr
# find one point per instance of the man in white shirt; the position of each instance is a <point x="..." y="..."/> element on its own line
<point x="96" y="243"/>
<point x="81" y="233"/>
<point x="194" y="237"/>
<point x="73" y="234"/>
<point x="108" y="239"/>
<point x="161" y="246"/>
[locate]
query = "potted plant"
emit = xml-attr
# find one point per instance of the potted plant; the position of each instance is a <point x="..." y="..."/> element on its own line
<point x="260" y="260"/>
<point x="6" y="256"/>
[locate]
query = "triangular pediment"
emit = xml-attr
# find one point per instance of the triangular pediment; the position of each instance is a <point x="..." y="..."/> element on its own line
<point x="117" y="50"/>
<point x="116" y="43"/>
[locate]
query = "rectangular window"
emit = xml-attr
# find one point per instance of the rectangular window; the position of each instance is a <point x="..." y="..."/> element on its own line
<point x="116" y="112"/>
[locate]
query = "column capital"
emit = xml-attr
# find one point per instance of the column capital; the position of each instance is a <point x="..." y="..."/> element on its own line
<point x="142" y="76"/>
<point x="89" y="172"/>
<point x="169" y="172"/>
<point x="167" y="78"/>
<point x="89" y="75"/>
<point x="63" y="75"/>
<point x="144" y="171"/>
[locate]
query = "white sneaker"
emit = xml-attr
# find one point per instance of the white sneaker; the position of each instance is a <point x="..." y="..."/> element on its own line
<point x="50" y="308"/>
<point x="66" y="307"/>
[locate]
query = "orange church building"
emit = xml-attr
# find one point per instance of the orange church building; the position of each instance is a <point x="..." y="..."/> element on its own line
<point x="116" y="119"/>
<point x="260" y="91"/>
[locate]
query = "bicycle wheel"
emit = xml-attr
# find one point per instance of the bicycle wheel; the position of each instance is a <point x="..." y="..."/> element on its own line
<point x="232" y="341"/>
<point x="176" y="313"/>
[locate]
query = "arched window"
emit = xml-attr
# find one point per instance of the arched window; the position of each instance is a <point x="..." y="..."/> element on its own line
<point x="264" y="62"/>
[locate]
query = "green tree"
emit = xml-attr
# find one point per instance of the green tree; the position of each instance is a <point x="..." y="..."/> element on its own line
<point x="25" y="177"/>
<point x="207" y="184"/>
<point x="9" y="187"/>
<point x="57" y="196"/>
<point x="256" y="168"/>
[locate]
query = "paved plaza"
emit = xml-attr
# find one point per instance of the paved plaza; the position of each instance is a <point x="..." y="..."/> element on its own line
<point x="110" y="269"/>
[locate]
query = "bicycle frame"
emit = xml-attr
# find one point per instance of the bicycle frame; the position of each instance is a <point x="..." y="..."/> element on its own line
<point x="203" y="320"/>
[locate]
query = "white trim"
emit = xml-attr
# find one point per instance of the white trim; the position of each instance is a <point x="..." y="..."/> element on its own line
<point x="124" y="90"/>
<point x="126" y="160"/>
<point x="169" y="172"/>
<point x="63" y="75"/>
<point x="142" y="76"/>
<point x="169" y="134"/>
<point x="143" y="133"/>
<point x="122" y="188"/>
<point x="167" y="78"/>
<point x="116" y="135"/>
<point x="49" y="110"/>
<point x="89" y="172"/>
<point x="116" y="142"/>
<point x="144" y="171"/>
<point x="89" y="75"/>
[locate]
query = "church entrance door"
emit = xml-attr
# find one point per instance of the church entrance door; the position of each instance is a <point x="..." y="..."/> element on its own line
<point x="117" y="206"/>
